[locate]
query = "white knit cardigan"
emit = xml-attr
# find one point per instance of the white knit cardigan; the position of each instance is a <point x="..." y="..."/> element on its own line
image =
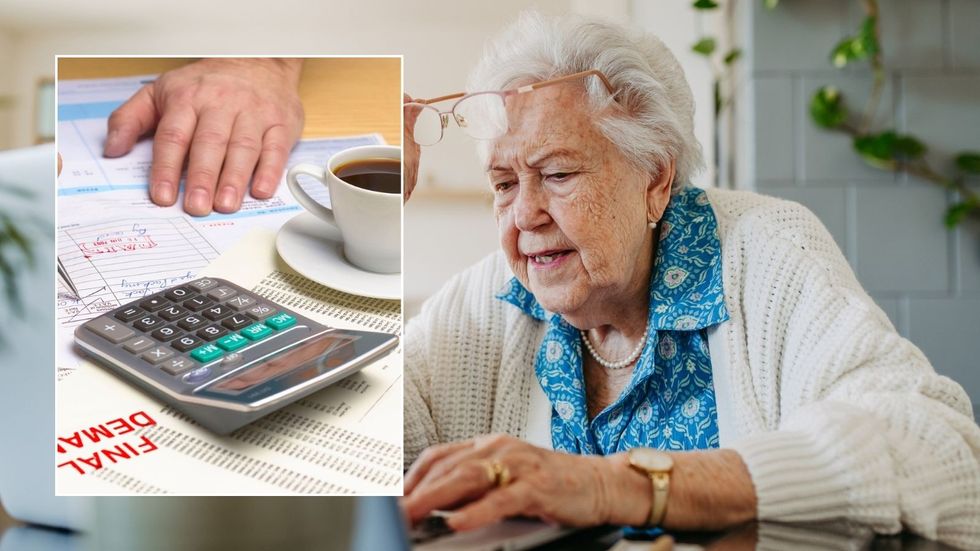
<point x="835" y="415"/>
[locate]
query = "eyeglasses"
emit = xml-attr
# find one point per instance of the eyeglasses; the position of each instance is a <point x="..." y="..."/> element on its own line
<point x="481" y="115"/>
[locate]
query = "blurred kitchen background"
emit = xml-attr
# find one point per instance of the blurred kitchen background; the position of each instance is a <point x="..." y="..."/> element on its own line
<point x="890" y="225"/>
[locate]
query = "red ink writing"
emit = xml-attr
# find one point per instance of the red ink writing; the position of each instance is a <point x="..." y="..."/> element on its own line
<point x="100" y="446"/>
<point x="116" y="245"/>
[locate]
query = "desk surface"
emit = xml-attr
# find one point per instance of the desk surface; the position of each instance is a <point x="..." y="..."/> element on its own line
<point x="341" y="96"/>
<point x="751" y="537"/>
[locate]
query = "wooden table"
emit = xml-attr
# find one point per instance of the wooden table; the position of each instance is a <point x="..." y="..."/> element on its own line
<point x="341" y="96"/>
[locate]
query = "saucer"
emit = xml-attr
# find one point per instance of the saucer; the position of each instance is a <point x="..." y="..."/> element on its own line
<point x="313" y="248"/>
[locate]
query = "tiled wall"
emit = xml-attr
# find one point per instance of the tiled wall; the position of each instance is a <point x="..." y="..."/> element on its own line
<point x="926" y="278"/>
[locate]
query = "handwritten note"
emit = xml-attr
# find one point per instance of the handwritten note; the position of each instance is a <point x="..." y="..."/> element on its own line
<point x="112" y="263"/>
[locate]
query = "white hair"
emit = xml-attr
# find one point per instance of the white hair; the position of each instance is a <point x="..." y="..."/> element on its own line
<point x="655" y="119"/>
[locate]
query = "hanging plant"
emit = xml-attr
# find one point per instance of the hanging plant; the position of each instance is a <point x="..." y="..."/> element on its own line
<point x="16" y="249"/>
<point x="883" y="149"/>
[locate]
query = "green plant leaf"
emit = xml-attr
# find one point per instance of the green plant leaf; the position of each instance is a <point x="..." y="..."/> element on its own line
<point x="732" y="56"/>
<point x="906" y="148"/>
<point x="16" y="191"/>
<point x="853" y="48"/>
<point x="875" y="149"/>
<point x="705" y="46"/>
<point x="867" y="40"/>
<point x="18" y="238"/>
<point x="827" y="107"/>
<point x="956" y="213"/>
<point x="969" y="162"/>
<point x="705" y="4"/>
<point x="771" y="4"/>
<point x="842" y="53"/>
<point x="887" y="149"/>
<point x="9" y="277"/>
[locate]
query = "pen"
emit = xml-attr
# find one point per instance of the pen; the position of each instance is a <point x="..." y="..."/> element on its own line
<point x="66" y="279"/>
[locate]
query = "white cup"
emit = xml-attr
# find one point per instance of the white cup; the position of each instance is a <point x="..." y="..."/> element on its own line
<point x="369" y="221"/>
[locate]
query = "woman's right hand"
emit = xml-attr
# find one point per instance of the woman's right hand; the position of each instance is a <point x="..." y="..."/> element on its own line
<point x="411" y="150"/>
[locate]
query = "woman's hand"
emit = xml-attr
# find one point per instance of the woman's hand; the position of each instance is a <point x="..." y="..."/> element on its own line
<point x="411" y="149"/>
<point x="709" y="489"/>
<point x="230" y="120"/>
<point x="574" y="490"/>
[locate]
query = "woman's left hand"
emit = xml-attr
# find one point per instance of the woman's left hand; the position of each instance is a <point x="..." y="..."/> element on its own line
<point x="559" y="487"/>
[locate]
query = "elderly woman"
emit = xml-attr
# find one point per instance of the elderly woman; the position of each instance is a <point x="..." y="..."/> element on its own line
<point x="645" y="352"/>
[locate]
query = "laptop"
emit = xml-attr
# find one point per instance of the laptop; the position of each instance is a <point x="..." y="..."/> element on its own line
<point x="380" y="525"/>
<point x="27" y="358"/>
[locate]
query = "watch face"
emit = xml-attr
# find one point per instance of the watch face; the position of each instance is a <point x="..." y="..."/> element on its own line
<point x="651" y="460"/>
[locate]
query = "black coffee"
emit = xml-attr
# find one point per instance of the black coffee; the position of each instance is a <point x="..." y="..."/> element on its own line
<point x="384" y="175"/>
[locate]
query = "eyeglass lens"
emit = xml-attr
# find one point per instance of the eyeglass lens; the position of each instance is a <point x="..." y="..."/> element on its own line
<point x="481" y="116"/>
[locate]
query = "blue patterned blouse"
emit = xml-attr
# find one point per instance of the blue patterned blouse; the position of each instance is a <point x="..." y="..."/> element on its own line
<point x="669" y="402"/>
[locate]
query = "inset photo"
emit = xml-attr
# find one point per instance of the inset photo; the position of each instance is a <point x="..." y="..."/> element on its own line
<point x="229" y="281"/>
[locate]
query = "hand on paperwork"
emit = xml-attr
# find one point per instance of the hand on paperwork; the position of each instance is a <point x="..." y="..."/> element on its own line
<point x="230" y="120"/>
<point x="412" y="152"/>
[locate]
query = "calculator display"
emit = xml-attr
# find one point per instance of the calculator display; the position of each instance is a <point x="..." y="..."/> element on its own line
<point x="302" y="363"/>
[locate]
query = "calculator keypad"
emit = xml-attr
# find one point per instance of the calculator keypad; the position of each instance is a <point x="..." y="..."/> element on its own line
<point x="217" y="312"/>
<point x="198" y="303"/>
<point x="203" y="284"/>
<point x="165" y="333"/>
<point x="186" y="343"/>
<point x="206" y="353"/>
<point x="138" y="344"/>
<point x="237" y="321"/>
<point x="191" y="322"/>
<point x="153" y="304"/>
<point x="234" y="341"/>
<point x="176" y="366"/>
<point x="112" y="330"/>
<point x="260" y="311"/>
<point x="172" y="312"/>
<point x="129" y="314"/>
<point x="147" y="323"/>
<point x="212" y="332"/>
<point x="241" y="302"/>
<point x="158" y="354"/>
<point x="222" y="293"/>
<point x="178" y="294"/>
<point x="197" y="323"/>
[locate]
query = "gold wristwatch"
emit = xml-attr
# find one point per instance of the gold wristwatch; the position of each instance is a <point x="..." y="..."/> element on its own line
<point x="657" y="465"/>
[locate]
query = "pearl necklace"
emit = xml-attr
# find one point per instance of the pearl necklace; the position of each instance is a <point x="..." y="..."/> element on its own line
<point x="633" y="356"/>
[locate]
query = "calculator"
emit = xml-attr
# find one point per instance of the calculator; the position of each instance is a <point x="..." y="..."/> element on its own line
<point x="223" y="355"/>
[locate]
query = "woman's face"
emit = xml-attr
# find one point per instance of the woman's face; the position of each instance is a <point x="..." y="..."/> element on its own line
<point x="570" y="208"/>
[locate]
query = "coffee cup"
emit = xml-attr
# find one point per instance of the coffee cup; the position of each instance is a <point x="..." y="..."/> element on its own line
<point x="365" y="203"/>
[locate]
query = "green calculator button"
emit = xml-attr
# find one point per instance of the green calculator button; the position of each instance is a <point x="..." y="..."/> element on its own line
<point x="280" y="321"/>
<point x="256" y="331"/>
<point x="231" y="342"/>
<point x="206" y="353"/>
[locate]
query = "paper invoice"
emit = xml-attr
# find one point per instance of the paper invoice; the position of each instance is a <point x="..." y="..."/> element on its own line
<point x="346" y="439"/>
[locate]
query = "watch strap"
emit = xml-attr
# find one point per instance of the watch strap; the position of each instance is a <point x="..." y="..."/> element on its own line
<point x="660" y="484"/>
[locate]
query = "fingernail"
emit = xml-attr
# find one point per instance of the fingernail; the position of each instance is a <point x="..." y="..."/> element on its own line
<point x="198" y="202"/>
<point x="227" y="199"/>
<point x="113" y="146"/>
<point x="260" y="190"/>
<point x="165" y="193"/>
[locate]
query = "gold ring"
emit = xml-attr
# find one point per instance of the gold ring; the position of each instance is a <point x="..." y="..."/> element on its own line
<point x="490" y="467"/>
<point x="501" y="474"/>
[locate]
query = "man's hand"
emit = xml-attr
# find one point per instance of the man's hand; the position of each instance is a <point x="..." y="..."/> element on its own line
<point x="230" y="120"/>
